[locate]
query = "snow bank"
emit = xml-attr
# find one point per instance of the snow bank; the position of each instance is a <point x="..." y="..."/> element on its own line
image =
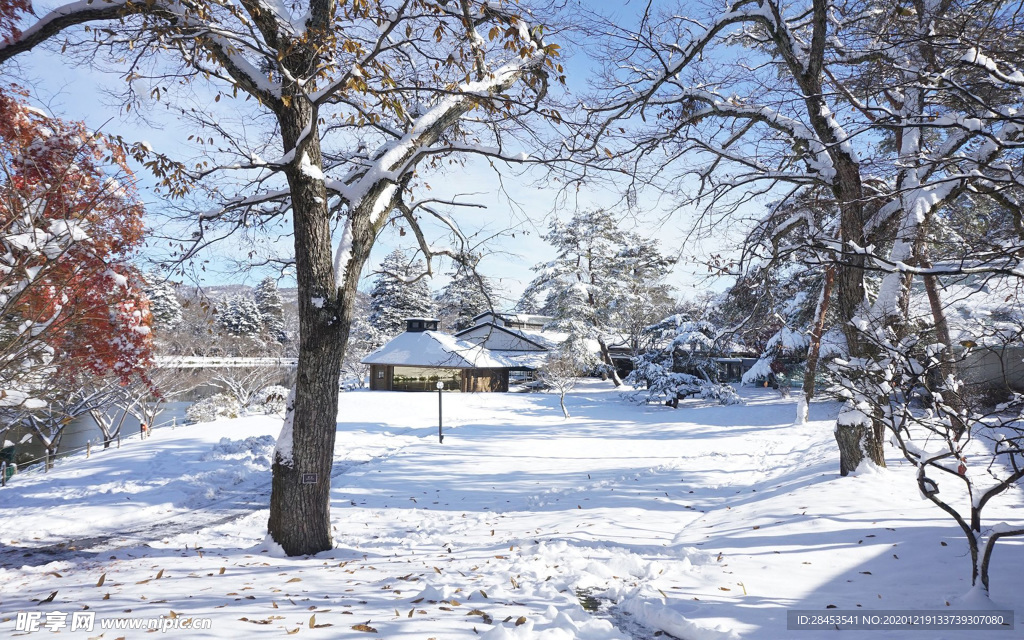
<point x="656" y="613"/>
<point x="237" y="462"/>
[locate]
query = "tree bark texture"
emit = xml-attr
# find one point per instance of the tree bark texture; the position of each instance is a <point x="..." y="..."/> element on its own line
<point x="300" y="518"/>
<point x="848" y="189"/>
<point x="857" y="442"/>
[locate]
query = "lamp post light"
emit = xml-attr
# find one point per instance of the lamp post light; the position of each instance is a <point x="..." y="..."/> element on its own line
<point x="440" y="436"/>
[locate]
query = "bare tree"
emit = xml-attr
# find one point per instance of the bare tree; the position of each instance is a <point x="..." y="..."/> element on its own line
<point x="245" y="383"/>
<point x="145" y="399"/>
<point x="48" y="423"/>
<point x="563" y="367"/>
<point x="110" y="414"/>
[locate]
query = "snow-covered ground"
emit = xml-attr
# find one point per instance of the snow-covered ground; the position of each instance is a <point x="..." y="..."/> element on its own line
<point x="704" y="522"/>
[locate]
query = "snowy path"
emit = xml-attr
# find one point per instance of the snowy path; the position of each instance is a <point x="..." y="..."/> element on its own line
<point x="703" y="522"/>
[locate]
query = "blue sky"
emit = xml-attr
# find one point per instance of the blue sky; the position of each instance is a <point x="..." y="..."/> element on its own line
<point x="524" y="211"/>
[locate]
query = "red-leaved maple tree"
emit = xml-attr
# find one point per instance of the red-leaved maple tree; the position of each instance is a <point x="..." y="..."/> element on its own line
<point x="9" y="14"/>
<point x="70" y="220"/>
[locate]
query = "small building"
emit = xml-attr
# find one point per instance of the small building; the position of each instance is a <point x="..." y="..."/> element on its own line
<point x="513" y="320"/>
<point x="422" y="356"/>
<point x="522" y="340"/>
<point x="523" y="349"/>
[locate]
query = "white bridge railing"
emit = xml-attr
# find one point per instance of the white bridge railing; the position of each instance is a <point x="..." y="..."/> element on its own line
<point x="200" y="362"/>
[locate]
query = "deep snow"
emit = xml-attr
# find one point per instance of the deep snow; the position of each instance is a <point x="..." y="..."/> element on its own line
<point x="704" y="522"/>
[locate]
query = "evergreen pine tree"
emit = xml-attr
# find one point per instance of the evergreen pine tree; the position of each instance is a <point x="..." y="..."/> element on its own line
<point x="682" y="364"/>
<point x="528" y="304"/>
<point x="163" y="302"/>
<point x="393" y="298"/>
<point x="240" y="316"/>
<point x="467" y="295"/>
<point x="268" y="301"/>
<point x="600" y="272"/>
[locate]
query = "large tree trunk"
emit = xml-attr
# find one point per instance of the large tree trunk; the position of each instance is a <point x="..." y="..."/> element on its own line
<point x="855" y="442"/>
<point x="850" y="451"/>
<point x="300" y="493"/>
<point x="848" y="189"/>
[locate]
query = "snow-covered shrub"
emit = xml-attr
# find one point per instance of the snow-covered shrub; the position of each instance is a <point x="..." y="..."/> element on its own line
<point x="269" y="400"/>
<point x="723" y="393"/>
<point x="681" y="364"/>
<point x="255" y="450"/>
<point x="209" y="409"/>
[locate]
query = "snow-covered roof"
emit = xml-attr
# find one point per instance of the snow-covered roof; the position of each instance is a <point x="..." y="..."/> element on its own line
<point x="521" y="318"/>
<point x="522" y="359"/>
<point x="547" y="339"/>
<point x="434" y="349"/>
<point x="483" y="332"/>
<point x="527" y="318"/>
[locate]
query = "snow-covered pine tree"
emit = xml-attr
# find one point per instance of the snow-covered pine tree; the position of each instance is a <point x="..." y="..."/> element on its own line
<point x="791" y="305"/>
<point x="642" y="296"/>
<point x="240" y="316"/>
<point x="781" y="304"/>
<point x="395" y="296"/>
<point x="163" y="302"/>
<point x="682" y="364"/>
<point x="528" y="304"/>
<point x="600" y="270"/>
<point x="464" y="297"/>
<point x="268" y="301"/>
<point x="362" y="340"/>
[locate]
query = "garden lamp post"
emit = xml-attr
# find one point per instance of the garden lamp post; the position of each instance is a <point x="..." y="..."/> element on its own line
<point x="440" y="436"/>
